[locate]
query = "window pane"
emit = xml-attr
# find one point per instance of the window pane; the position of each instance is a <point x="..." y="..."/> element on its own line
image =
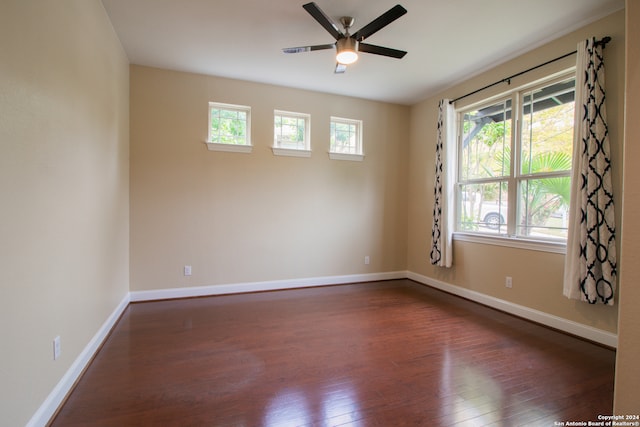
<point x="228" y="125"/>
<point x="227" y="114"/>
<point x="484" y="207"/>
<point x="544" y="206"/>
<point x="215" y="123"/>
<point x="343" y="138"/>
<point x="547" y="128"/>
<point x="230" y="131"/>
<point x="289" y="132"/>
<point x="485" y="142"/>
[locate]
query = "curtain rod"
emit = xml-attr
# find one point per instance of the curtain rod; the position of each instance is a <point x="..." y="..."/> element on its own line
<point x="602" y="42"/>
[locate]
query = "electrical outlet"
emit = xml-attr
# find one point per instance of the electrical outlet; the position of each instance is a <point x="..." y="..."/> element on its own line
<point x="366" y="260"/>
<point x="187" y="270"/>
<point x="508" y="282"/>
<point x="56" y="348"/>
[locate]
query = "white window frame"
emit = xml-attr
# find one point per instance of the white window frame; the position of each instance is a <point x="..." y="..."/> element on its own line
<point x="510" y="239"/>
<point x="279" y="150"/>
<point x="359" y="152"/>
<point x="247" y="147"/>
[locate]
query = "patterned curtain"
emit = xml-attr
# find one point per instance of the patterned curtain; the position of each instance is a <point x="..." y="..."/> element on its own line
<point x="441" y="231"/>
<point x="590" y="263"/>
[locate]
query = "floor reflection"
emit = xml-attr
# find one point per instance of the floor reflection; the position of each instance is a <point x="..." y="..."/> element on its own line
<point x="340" y="406"/>
<point x="471" y="395"/>
<point x="288" y="408"/>
<point x="335" y="404"/>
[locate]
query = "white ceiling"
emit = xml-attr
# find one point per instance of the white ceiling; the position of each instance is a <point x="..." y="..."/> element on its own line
<point x="447" y="40"/>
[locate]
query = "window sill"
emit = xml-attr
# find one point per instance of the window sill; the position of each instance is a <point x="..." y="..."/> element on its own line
<point x="345" y="156"/>
<point x="290" y="152"/>
<point x="513" y="242"/>
<point x="231" y="148"/>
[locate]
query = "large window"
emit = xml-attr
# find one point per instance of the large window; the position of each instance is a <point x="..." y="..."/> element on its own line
<point x="514" y="163"/>
<point x="229" y="127"/>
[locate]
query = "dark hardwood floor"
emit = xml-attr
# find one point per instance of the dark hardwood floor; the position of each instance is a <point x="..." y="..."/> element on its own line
<point x="391" y="353"/>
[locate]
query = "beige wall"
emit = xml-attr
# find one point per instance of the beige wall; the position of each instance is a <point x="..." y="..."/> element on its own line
<point x="238" y="218"/>
<point x="537" y="276"/>
<point x="64" y="184"/>
<point x="627" y="367"/>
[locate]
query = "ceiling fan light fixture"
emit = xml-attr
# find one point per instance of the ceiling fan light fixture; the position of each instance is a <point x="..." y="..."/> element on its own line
<point x="346" y="45"/>
<point x="347" y="48"/>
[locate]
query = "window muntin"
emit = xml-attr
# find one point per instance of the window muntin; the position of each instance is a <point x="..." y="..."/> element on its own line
<point x="514" y="177"/>
<point x="291" y="130"/>
<point x="345" y="136"/>
<point x="229" y="124"/>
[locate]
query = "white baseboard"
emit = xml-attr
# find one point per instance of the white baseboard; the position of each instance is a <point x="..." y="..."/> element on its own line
<point x="54" y="399"/>
<point x="596" y="335"/>
<point x="272" y="285"/>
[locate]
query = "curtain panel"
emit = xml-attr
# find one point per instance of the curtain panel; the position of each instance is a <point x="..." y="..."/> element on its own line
<point x="590" y="263"/>
<point x="443" y="197"/>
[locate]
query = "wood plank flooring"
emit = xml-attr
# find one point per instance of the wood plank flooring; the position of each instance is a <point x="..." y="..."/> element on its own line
<point x="391" y="353"/>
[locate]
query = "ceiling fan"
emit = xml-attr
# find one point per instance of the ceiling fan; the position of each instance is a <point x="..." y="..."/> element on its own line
<point x="348" y="45"/>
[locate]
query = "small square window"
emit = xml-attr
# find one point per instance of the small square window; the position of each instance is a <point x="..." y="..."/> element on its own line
<point x="345" y="139"/>
<point x="229" y="127"/>
<point x="291" y="134"/>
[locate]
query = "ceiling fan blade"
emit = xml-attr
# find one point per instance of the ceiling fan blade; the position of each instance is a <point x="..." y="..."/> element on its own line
<point x="308" y="48"/>
<point x="340" y="68"/>
<point x="380" y="50"/>
<point x="380" y="22"/>
<point x="323" y="20"/>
